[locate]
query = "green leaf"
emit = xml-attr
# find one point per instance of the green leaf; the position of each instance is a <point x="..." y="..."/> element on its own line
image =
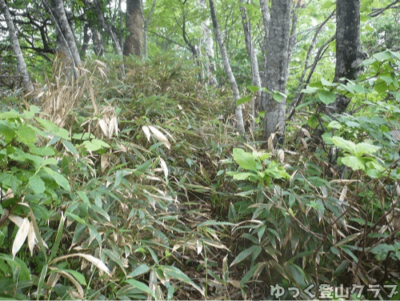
<point x="176" y="273"/>
<point x="344" y="144"/>
<point x="327" y="83"/>
<point x="141" y="286"/>
<point x="95" y="145"/>
<point x="278" y="96"/>
<point x="60" y="179"/>
<point x="366" y="148"/>
<point x="244" y="159"/>
<point x="26" y="135"/>
<point x="327" y="97"/>
<point x="383" y="56"/>
<point x="37" y="184"/>
<point x="7" y="132"/>
<point x="241" y="176"/>
<point x="381" y="86"/>
<point x="140" y="270"/>
<point x="69" y="146"/>
<point x="78" y="276"/>
<point x="353" y="162"/>
<point x="243" y="100"/>
<point x="334" y="125"/>
<point x="253" y="88"/>
<point x="42" y="151"/>
<point x="244" y="254"/>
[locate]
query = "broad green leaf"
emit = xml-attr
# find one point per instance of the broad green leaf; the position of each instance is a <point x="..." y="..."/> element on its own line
<point x="26" y="135"/>
<point x="141" y="286"/>
<point x="327" y="83"/>
<point x="383" y="56"/>
<point x="95" y="145"/>
<point x="334" y="125"/>
<point x="353" y="162"/>
<point x="366" y="148"/>
<point x="37" y="184"/>
<point x="69" y="146"/>
<point x="278" y="96"/>
<point x="42" y="151"/>
<point x="10" y="115"/>
<point x="381" y="86"/>
<point x="241" y="176"/>
<point x="244" y="159"/>
<point x="327" y="97"/>
<point x="140" y="270"/>
<point x="344" y="144"/>
<point x="253" y="88"/>
<point x="7" y="132"/>
<point x="243" y="100"/>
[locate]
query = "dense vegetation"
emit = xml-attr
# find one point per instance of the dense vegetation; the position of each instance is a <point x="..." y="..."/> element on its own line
<point x="127" y="178"/>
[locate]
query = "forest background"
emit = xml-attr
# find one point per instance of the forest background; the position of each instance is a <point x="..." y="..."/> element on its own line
<point x="199" y="149"/>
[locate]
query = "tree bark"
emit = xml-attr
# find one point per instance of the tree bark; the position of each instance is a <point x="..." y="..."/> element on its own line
<point x="66" y="30"/>
<point x="276" y="72"/>
<point x="348" y="48"/>
<point x="209" y="46"/>
<point x="266" y="20"/>
<point x="228" y="70"/>
<point x="107" y="27"/>
<point x="134" y="24"/>
<point x="255" y="73"/>
<point x="26" y="82"/>
<point x="146" y="24"/>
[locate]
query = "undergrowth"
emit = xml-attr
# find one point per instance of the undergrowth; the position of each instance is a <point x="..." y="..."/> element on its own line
<point x="134" y="184"/>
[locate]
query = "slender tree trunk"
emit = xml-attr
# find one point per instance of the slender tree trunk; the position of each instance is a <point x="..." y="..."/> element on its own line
<point x="26" y="82"/>
<point x="348" y="47"/>
<point x="255" y="74"/>
<point x="228" y="70"/>
<point x="107" y="27"/>
<point x="146" y="24"/>
<point x="121" y="22"/>
<point x="86" y="39"/>
<point x="134" y="24"/>
<point x="66" y="30"/>
<point x="209" y="46"/>
<point x="266" y="20"/>
<point x="276" y="72"/>
<point x="293" y="40"/>
<point x="306" y="67"/>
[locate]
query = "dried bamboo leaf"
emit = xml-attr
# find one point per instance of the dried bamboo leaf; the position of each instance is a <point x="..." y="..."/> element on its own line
<point x="21" y="236"/>
<point x="160" y="136"/>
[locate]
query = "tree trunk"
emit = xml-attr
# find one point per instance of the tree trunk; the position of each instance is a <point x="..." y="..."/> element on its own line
<point x="66" y="30"/>
<point x="348" y="47"/>
<point x="86" y="39"/>
<point x="107" y="27"/>
<point x="146" y="24"/>
<point x="266" y="20"/>
<point x="228" y="70"/>
<point x="134" y="23"/>
<point x="255" y="74"/>
<point x="276" y="72"/>
<point x="209" y="46"/>
<point x="26" y="82"/>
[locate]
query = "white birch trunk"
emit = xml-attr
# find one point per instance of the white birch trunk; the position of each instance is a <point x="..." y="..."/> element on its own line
<point x="228" y="70"/>
<point x="266" y="20"/>
<point x="66" y="31"/>
<point x="26" y="82"/>
<point x="145" y="26"/>
<point x="255" y="73"/>
<point x="209" y="46"/>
